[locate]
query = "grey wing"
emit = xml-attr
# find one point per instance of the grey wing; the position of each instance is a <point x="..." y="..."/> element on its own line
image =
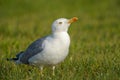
<point x="33" y="49"/>
<point x="20" y="53"/>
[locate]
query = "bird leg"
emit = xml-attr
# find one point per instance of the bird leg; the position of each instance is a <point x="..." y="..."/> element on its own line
<point x="41" y="70"/>
<point x="53" y="68"/>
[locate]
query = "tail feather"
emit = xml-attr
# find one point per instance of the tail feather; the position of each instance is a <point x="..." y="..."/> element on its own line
<point x="12" y="59"/>
<point x="17" y="57"/>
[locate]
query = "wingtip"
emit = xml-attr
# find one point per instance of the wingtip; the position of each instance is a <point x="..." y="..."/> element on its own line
<point x="12" y="59"/>
<point x="8" y="59"/>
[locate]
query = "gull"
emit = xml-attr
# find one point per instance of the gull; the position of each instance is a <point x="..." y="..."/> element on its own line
<point x="49" y="50"/>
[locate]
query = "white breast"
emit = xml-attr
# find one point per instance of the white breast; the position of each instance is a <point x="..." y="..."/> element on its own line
<point x="56" y="49"/>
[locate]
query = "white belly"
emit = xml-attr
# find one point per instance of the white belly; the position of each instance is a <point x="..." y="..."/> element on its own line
<point x="55" y="51"/>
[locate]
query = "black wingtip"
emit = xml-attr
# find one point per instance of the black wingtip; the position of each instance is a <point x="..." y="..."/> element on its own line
<point x="12" y="59"/>
<point x="7" y="59"/>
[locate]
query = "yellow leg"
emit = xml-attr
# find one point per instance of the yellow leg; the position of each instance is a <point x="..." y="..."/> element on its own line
<point x="41" y="70"/>
<point x="53" y="68"/>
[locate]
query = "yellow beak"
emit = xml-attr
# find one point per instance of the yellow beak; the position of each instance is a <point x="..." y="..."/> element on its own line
<point x="74" y="19"/>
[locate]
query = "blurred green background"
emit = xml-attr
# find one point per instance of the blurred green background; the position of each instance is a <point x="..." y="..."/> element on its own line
<point x="95" y="37"/>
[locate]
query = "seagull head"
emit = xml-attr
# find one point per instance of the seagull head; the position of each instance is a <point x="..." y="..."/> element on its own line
<point x="62" y="24"/>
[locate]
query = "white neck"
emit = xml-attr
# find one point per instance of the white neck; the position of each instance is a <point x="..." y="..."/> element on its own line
<point x="59" y="30"/>
<point x="63" y="36"/>
<point x="60" y="34"/>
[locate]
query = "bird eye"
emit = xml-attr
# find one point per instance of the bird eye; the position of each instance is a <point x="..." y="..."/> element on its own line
<point x="60" y="22"/>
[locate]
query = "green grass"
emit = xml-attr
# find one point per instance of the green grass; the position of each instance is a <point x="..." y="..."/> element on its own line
<point x="95" y="38"/>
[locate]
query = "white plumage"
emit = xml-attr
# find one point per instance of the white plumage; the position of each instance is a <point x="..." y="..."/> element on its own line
<point x="49" y="50"/>
<point x="55" y="49"/>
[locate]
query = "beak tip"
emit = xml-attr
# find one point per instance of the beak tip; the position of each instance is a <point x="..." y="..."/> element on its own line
<point x="75" y="18"/>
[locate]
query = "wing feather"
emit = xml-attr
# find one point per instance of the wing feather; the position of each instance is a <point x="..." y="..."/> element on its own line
<point x="33" y="49"/>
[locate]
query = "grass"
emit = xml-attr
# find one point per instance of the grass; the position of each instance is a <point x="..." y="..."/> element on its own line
<point x="95" y="38"/>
